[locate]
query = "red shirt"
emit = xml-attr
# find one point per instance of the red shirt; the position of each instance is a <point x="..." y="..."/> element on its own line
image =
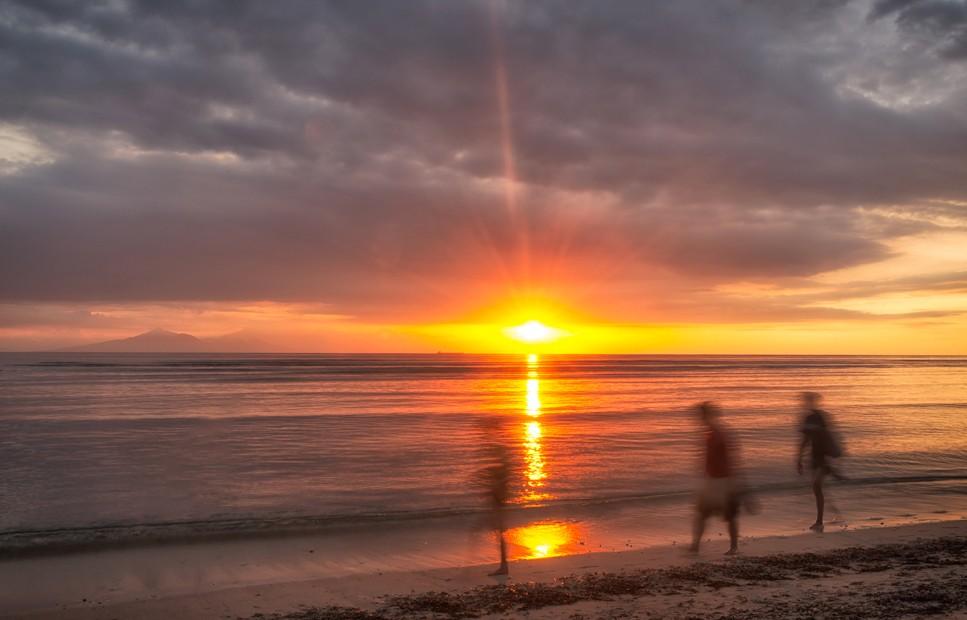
<point x="717" y="461"/>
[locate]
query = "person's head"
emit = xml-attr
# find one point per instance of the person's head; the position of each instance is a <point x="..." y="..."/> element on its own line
<point x="708" y="412"/>
<point x="810" y="400"/>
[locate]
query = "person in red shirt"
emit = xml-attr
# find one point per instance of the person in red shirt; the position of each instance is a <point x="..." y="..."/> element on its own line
<point x="720" y="492"/>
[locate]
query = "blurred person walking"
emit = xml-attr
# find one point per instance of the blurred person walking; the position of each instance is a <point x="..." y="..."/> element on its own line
<point x="817" y="433"/>
<point x="722" y="491"/>
<point x="495" y="483"/>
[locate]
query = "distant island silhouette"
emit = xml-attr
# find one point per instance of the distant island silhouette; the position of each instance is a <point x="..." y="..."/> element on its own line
<point x="165" y="341"/>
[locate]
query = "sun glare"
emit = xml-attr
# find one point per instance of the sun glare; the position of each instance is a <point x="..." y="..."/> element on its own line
<point x="534" y="332"/>
<point x="544" y="540"/>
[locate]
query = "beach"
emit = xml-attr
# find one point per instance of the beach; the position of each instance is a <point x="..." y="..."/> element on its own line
<point x="874" y="571"/>
<point x="483" y="309"/>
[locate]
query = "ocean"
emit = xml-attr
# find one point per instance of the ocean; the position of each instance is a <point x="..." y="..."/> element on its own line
<point x="107" y="448"/>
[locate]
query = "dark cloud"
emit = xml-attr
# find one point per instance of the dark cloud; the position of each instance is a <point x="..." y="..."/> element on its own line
<point x="350" y="153"/>
<point x="32" y="315"/>
<point x="943" y="21"/>
<point x="882" y="8"/>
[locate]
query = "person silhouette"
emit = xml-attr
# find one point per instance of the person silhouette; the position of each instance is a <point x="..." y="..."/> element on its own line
<point x="721" y="493"/>
<point x="817" y="434"/>
<point x="495" y="477"/>
<point x="498" y="475"/>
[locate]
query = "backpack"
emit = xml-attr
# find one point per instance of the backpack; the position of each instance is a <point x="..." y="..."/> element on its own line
<point x="831" y="446"/>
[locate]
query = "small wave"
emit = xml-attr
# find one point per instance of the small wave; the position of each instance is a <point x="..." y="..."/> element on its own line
<point x="62" y="540"/>
<point x="312" y="367"/>
<point x="67" y="364"/>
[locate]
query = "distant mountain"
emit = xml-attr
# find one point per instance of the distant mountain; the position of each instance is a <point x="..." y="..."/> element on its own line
<point x="164" y="341"/>
<point x="154" y="341"/>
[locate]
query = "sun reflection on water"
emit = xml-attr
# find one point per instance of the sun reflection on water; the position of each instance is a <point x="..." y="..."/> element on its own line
<point x="533" y="403"/>
<point x="544" y="540"/>
<point x="534" y="474"/>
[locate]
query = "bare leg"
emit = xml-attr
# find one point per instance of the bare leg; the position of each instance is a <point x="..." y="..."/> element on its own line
<point x="733" y="535"/>
<point x="698" y="530"/>
<point x="820" y="499"/>
<point x="504" y="569"/>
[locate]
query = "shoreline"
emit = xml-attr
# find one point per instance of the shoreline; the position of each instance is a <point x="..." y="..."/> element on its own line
<point x="55" y="541"/>
<point x="365" y="595"/>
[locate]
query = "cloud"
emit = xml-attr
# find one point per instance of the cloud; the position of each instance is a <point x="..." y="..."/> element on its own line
<point x="955" y="282"/>
<point x="351" y="154"/>
<point x="943" y="22"/>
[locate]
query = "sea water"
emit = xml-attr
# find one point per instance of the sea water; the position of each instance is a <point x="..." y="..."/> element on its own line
<point x="106" y="447"/>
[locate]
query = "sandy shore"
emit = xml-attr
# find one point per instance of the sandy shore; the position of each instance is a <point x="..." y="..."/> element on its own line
<point x="873" y="572"/>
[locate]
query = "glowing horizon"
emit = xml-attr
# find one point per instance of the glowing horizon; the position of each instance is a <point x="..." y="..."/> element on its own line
<point x="435" y="192"/>
<point x="289" y="331"/>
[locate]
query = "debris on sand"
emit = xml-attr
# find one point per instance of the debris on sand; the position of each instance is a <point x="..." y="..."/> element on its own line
<point x="898" y="599"/>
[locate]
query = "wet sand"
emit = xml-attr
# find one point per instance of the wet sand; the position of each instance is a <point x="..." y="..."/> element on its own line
<point x="874" y="572"/>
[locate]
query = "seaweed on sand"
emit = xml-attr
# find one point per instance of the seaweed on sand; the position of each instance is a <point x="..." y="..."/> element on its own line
<point x="907" y="598"/>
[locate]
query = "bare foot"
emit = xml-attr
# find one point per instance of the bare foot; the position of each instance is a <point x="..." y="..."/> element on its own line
<point x="816" y="527"/>
<point x="503" y="570"/>
<point x="732" y="551"/>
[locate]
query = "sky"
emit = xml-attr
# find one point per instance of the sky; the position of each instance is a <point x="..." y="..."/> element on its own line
<point x="644" y="177"/>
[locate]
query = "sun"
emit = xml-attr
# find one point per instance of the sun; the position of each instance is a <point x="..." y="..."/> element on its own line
<point x="534" y="332"/>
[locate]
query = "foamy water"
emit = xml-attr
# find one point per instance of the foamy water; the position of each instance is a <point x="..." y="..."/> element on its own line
<point x="262" y="442"/>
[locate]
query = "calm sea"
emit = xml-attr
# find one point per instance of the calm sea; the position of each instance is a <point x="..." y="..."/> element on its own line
<point x="120" y="443"/>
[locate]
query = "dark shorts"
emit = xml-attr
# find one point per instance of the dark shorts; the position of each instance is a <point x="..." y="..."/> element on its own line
<point x="819" y="461"/>
<point x="820" y="472"/>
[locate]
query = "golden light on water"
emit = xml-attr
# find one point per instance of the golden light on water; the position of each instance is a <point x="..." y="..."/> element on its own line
<point x="544" y="540"/>
<point x="534" y="459"/>
<point x="534" y="473"/>
<point x="533" y="403"/>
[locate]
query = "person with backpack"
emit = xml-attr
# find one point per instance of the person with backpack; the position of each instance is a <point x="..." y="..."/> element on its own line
<point x="817" y="434"/>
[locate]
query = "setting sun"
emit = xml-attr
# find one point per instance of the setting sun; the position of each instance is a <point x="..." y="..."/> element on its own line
<point x="534" y="332"/>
